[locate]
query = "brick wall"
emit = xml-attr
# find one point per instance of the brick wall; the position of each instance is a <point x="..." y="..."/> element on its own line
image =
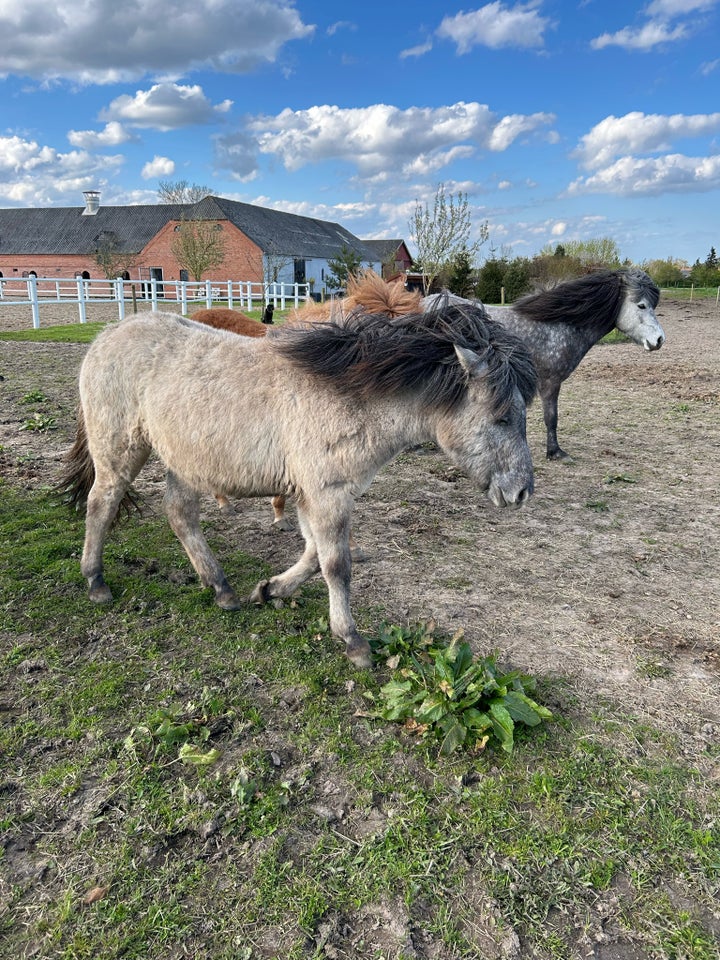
<point x="243" y="260"/>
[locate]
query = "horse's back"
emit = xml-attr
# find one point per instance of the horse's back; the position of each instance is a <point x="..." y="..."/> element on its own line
<point x="222" y="318"/>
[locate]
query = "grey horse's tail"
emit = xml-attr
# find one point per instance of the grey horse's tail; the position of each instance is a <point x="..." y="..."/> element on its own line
<point x="78" y="475"/>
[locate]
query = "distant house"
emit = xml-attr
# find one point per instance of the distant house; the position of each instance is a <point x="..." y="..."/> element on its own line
<point x="261" y="244"/>
<point x="393" y="256"/>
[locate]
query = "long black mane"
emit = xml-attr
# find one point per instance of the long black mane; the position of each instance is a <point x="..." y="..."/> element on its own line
<point x="369" y="355"/>
<point x="594" y="300"/>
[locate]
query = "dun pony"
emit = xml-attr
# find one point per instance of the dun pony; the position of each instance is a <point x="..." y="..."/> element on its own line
<point x="314" y="410"/>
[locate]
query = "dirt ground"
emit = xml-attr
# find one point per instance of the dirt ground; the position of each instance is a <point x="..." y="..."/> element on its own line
<point x="608" y="577"/>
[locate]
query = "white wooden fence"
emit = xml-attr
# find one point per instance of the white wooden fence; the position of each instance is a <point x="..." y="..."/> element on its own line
<point x="240" y="294"/>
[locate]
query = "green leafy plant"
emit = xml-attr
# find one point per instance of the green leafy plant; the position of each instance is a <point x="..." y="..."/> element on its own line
<point x="38" y="422"/>
<point x="441" y="690"/>
<point x="34" y="396"/>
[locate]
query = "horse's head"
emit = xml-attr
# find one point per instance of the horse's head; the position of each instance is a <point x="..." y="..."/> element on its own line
<point x="486" y="435"/>
<point x="637" y="318"/>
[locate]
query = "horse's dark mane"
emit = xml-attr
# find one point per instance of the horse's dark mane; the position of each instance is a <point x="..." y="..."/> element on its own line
<point x="593" y="300"/>
<point x="367" y="355"/>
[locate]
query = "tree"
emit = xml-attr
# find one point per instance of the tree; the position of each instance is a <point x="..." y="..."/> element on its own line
<point x="460" y="277"/>
<point x="516" y="279"/>
<point x="711" y="260"/>
<point x="181" y="191"/>
<point x="273" y="265"/>
<point x="198" y="245"/>
<point x="594" y="254"/>
<point x="443" y="234"/>
<point x="113" y="261"/>
<point x="490" y="280"/>
<point x="665" y="273"/>
<point x="346" y="264"/>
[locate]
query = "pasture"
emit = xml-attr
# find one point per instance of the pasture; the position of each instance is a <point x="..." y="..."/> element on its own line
<point x="181" y="781"/>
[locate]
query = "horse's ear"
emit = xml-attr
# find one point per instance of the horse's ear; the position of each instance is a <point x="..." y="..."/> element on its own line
<point x="472" y="364"/>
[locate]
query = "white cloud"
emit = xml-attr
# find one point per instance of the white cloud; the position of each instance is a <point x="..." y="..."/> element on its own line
<point x="112" y="135"/>
<point x="340" y="25"/>
<point x="158" y="167"/>
<point x="495" y="26"/>
<point x="669" y="9"/>
<point x="559" y="229"/>
<point x="35" y="175"/>
<point x="107" y="42"/>
<point x="643" y="38"/>
<point x="165" y="106"/>
<point x="638" y="132"/>
<point x="657" y="30"/>
<point x="709" y="67"/>
<point x="420" y="50"/>
<point x="630" y="176"/>
<point x="381" y="138"/>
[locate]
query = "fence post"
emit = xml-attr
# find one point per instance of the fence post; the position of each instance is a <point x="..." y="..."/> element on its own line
<point x="33" y="298"/>
<point x="153" y="294"/>
<point x="120" y="297"/>
<point x="183" y="297"/>
<point x="81" y="299"/>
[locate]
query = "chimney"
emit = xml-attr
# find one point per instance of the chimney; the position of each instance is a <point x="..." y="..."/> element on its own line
<point x="92" y="202"/>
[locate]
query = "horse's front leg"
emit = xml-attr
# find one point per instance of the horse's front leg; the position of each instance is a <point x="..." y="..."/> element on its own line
<point x="326" y="528"/>
<point x="549" y="394"/>
<point x="182" y="505"/>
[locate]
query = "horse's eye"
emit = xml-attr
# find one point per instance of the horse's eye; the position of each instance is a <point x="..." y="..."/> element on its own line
<point x="642" y="306"/>
<point x="503" y="422"/>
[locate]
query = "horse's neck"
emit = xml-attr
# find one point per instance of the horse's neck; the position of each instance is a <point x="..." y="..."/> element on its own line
<point x="543" y="338"/>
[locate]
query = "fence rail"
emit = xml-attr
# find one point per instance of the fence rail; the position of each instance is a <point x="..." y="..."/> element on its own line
<point x="37" y="291"/>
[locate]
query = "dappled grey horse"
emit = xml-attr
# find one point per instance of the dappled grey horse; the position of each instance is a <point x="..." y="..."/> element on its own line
<point x="560" y="325"/>
<point x="312" y="410"/>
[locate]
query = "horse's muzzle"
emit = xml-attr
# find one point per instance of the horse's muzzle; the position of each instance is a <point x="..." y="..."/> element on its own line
<point x="512" y="498"/>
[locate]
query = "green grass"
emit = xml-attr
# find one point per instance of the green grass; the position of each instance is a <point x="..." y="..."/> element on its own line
<point x="686" y="293"/>
<point x="61" y="333"/>
<point x="86" y="332"/>
<point x="214" y="778"/>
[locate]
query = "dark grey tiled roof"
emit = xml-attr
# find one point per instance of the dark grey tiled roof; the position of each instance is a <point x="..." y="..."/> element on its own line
<point x="383" y="250"/>
<point x="66" y="230"/>
<point x="276" y="232"/>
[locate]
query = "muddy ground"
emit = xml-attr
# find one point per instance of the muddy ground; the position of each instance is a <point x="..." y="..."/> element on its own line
<point x="608" y="577"/>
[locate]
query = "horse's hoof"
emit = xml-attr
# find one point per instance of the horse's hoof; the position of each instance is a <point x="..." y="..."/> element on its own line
<point x="99" y="591"/>
<point x="260" y="594"/>
<point x="228" y="600"/>
<point x="560" y="455"/>
<point x="358" y="653"/>
<point x="283" y="524"/>
<point x="358" y="554"/>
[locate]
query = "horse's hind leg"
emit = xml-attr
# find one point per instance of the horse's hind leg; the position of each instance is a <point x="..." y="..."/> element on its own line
<point x="279" y="519"/>
<point x="549" y="394"/>
<point x="106" y="494"/>
<point x="285" y="584"/>
<point x="182" y="506"/>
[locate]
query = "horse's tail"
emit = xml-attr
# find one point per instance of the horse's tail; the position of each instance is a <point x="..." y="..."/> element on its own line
<point x="78" y="475"/>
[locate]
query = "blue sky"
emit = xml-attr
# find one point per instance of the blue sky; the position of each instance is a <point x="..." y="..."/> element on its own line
<point x="560" y="120"/>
